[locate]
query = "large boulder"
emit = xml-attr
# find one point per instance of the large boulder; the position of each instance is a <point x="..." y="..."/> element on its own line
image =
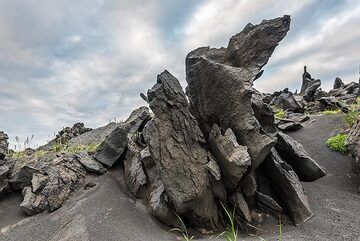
<point x="287" y="101"/>
<point x="294" y="154"/>
<point x="113" y="147"/>
<point x="177" y="146"/>
<point x="332" y="103"/>
<point x="288" y="188"/>
<point x="309" y="86"/>
<point x="220" y="83"/>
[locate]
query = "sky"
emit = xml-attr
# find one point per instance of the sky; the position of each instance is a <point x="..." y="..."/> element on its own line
<point x="67" y="61"/>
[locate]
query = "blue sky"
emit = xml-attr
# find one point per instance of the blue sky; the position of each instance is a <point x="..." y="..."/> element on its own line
<point x="67" y="61"/>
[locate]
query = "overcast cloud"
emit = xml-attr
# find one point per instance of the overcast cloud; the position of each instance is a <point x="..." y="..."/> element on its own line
<point x="67" y="61"/>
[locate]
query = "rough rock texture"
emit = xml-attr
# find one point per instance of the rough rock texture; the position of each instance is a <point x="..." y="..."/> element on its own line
<point x="353" y="145"/>
<point x="3" y="145"/>
<point x="263" y="112"/>
<point x="4" y="168"/>
<point x="289" y="126"/>
<point x="294" y="154"/>
<point x="177" y="146"/>
<point x="287" y="101"/>
<point x="288" y="188"/>
<point x="338" y="83"/>
<point x="333" y="103"/>
<point x="232" y="158"/>
<point x="111" y="149"/>
<point x="220" y="83"/>
<point x="135" y="176"/>
<point x="90" y="163"/>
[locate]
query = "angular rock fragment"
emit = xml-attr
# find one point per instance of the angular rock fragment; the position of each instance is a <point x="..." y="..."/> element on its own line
<point x="289" y="126"/>
<point x="268" y="202"/>
<point x="38" y="182"/>
<point x="288" y="188"/>
<point x="241" y="207"/>
<point x="249" y="184"/>
<point x="338" y="83"/>
<point x="263" y="112"/>
<point x="177" y="147"/>
<point x="3" y="145"/>
<point x="33" y="203"/>
<point x="232" y="158"/>
<point x="111" y="149"/>
<point x="135" y="177"/>
<point x="333" y="103"/>
<point x="220" y="83"/>
<point x="287" y="101"/>
<point x="65" y="176"/>
<point x="90" y="163"/>
<point x="294" y="154"/>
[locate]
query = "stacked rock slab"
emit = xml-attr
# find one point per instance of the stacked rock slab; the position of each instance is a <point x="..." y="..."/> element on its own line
<point x="220" y="83"/>
<point x="113" y="147"/>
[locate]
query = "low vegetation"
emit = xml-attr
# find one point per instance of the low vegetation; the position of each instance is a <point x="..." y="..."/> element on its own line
<point x="232" y="232"/>
<point x="182" y="230"/>
<point x="351" y="117"/>
<point x="337" y="143"/>
<point x="331" y="111"/>
<point x="279" y="113"/>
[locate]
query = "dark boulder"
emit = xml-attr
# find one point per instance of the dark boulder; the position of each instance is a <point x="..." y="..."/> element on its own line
<point x="220" y="83"/>
<point x="333" y="103"/>
<point x="177" y="147"/>
<point x="263" y="112"/>
<point x="113" y="147"/>
<point x="90" y="163"/>
<point x="288" y="188"/>
<point x="294" y="154"/>
<point x="338" y="83"/>
<point x="287" y="101"/>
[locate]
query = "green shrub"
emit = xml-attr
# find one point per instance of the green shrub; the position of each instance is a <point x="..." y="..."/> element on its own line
<point x="279" y="113"/>
<point x="331" y="111"/>
<point x="337" y="143"/>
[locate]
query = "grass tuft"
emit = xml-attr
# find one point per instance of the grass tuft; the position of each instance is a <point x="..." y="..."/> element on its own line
<point x="351" y="117"/>
<point x="232" y="232"/>
<point x="182" y="230"/>
<point x="337" y="143"/>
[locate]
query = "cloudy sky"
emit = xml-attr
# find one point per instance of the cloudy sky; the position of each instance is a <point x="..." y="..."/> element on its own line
<point x="78" y="60"/>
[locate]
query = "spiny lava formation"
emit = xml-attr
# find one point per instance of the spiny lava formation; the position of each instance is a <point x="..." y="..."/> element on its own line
<point x="213" y="148"/>
<point x="222" y="146"/>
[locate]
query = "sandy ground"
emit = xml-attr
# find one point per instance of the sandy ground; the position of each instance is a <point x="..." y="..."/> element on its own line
<point x="106" y="213"/>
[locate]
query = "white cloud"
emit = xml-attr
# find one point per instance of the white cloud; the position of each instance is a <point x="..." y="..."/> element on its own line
<point x="67" y="61"/>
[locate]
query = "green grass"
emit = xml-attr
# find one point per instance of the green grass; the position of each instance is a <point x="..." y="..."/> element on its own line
<point x="331" y="111"/>
<point x="18" y="154"/>
<point x="351" y="117"/>
<point x="79" y="148"/>
<point x="337" y="143"/>
<point x="182" y="230"/>
<point x="232" y="232"/>
<point x="279" y="113"/>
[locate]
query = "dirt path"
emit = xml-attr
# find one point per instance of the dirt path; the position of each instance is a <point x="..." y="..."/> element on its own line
<point x="334" y="198"/>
